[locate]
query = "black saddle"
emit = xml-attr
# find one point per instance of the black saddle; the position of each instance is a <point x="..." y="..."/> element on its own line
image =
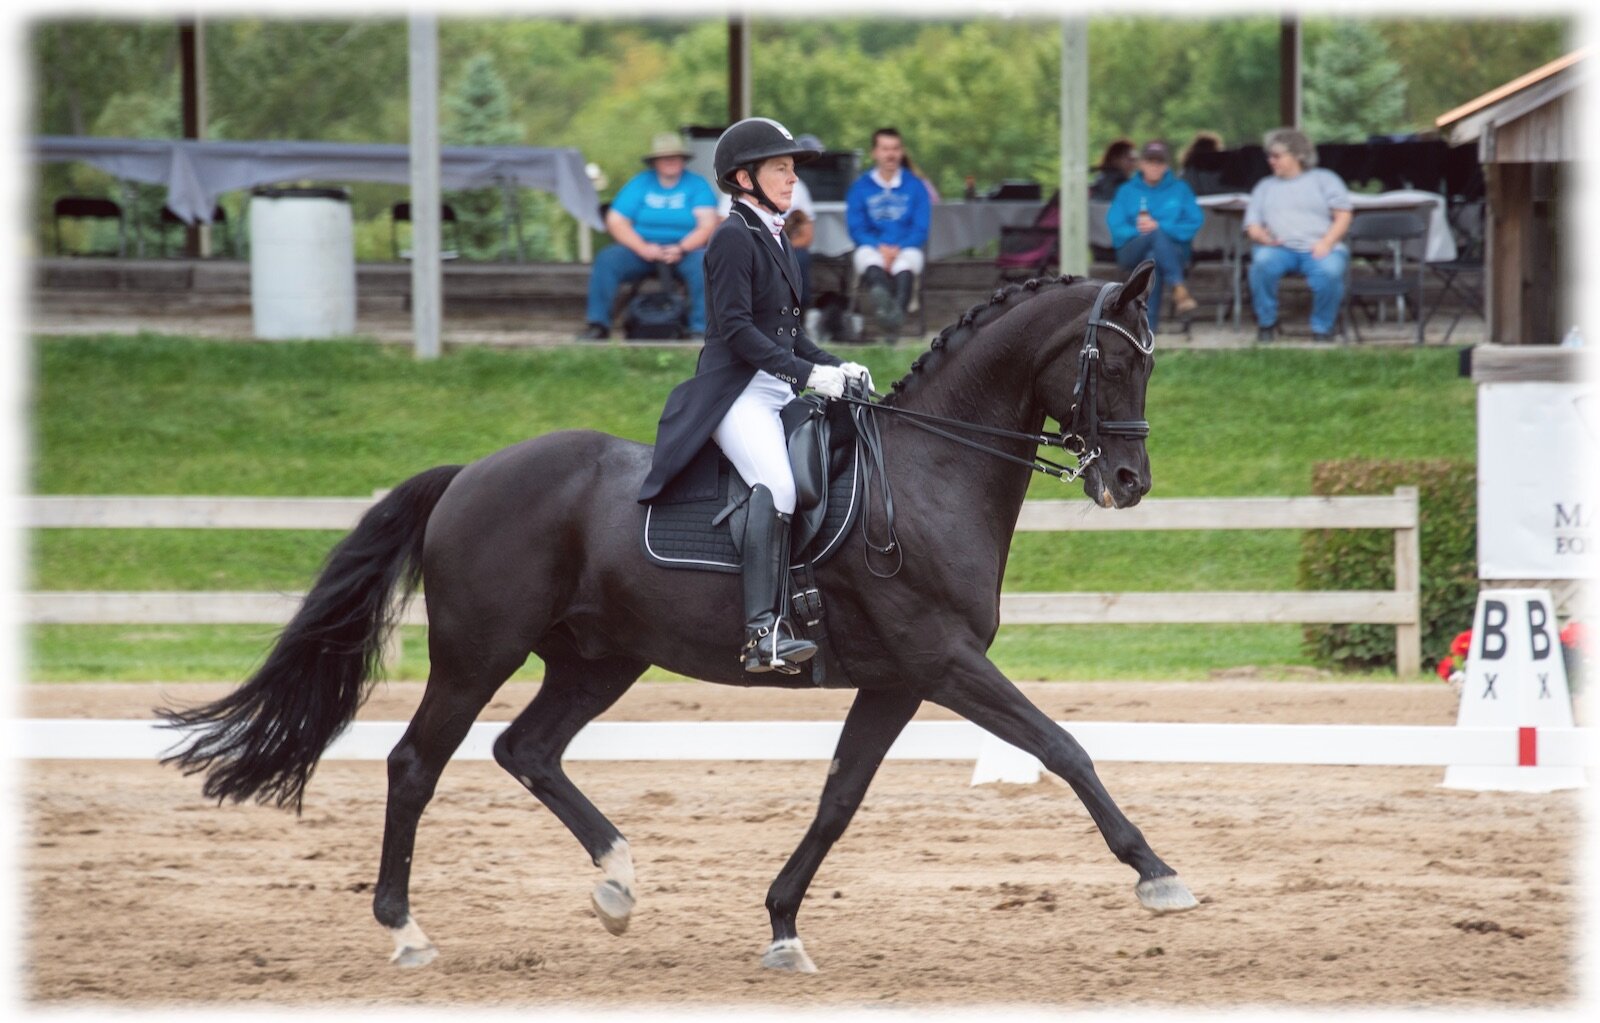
<point x="698" y="521"/>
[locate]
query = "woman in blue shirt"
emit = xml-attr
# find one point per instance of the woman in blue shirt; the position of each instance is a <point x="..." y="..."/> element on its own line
<point x="1155" y="216"/>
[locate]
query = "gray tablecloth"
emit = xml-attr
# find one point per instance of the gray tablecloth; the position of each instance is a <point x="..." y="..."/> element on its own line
<point x="955" y="227"/>
<point x="196" y="173"/>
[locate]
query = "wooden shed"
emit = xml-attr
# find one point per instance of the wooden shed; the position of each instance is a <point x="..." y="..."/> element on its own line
<point x="1529" y="141"/>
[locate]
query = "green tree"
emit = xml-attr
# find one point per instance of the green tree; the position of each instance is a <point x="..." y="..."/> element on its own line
<point x="478" y="113"/>
<point x="1353" y="87"/>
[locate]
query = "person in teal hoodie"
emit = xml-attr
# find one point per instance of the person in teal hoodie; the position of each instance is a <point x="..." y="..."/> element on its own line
<point x="1155" y="216"/>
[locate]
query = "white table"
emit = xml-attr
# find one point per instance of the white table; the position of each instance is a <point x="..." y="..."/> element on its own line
<point x="955" y="226"/>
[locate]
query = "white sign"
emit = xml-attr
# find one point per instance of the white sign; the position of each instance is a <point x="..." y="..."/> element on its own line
<point x="1537" y="446"/>
<point x="1515" y="677"/>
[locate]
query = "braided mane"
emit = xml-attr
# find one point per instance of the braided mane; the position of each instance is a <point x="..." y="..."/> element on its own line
<point x="970" y="323"/>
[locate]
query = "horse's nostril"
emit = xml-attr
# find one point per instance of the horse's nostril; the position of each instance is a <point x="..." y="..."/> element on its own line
<point x="1128" y="479"/>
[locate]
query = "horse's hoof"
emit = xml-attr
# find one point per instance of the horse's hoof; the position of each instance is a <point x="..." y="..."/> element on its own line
<point x="613" y="904"/>
<point x="411" y="956"/>
<point x="787" y="955"/>
<point x="1164" y="895"/>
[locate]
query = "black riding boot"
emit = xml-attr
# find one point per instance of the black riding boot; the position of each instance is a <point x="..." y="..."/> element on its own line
<point x="880" y="293"/>
<point x="766" y="541"/>
<point x="905" y="283"/>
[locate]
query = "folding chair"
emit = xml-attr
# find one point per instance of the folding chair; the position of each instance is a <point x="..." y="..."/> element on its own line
<point x="400" y="212"/>
<point x="1394" y="267"/>
<point x="1030" y="251"/>
<point x="1461" y="277"/>
<point x="90" y="208"/>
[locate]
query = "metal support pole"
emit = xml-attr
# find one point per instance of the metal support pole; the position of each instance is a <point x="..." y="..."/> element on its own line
<point x="1075" y="146"/>
<point x="426" y="267"/>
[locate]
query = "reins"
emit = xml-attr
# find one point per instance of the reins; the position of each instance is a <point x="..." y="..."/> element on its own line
<point x="1080" y="435"/>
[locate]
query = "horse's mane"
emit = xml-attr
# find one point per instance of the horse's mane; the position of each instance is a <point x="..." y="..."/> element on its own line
<point x="970" y="323"/>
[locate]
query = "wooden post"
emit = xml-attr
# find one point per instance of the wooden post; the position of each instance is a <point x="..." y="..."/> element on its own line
<point x="1289" y="93"/>
<point x="192" y="66"/>
<point x="426" y="272"/>
<point x="1505" y="272"/>
<point x="1408" y="581"/>
<point x="1074" y="245"/>
<point x="738" y="67"/>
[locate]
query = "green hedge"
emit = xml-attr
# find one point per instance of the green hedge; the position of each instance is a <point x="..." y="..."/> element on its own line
<point x="1363" y="559"/>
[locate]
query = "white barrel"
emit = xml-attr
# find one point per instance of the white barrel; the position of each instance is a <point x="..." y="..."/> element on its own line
<point x="302" y="263"/>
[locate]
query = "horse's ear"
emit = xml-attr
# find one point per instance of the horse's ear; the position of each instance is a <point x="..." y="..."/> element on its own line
<point x="1135" y="286"/>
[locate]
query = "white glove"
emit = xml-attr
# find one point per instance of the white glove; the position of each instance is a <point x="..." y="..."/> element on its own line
<point x="826" y="380"/>
<point x="856" y="371"/>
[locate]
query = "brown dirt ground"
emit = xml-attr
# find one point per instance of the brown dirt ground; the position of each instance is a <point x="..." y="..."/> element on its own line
<point x="1348" y="887"/>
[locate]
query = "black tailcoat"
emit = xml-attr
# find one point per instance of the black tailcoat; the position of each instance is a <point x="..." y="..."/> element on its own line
<point x="753" y="321"/>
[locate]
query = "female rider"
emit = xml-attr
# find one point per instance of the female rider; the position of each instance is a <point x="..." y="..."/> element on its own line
<point x="756" y="358"/>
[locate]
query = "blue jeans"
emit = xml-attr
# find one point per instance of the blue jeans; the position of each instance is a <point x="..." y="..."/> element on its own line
<point x="1269" y="264"/>
<point x="615" y="265"/>
<point x="1171" y="257"/>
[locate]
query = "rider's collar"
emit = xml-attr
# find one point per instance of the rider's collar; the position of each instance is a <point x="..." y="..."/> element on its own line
<point x="773" y="221"/>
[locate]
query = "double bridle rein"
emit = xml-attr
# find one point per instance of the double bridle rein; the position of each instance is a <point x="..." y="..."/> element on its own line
<point x="1080" y="435"/>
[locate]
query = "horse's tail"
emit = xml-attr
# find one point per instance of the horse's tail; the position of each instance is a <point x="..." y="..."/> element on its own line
<point x="263" y="740"/>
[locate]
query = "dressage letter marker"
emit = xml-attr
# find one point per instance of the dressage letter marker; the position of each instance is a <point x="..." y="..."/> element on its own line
<point x="1515" y="679"/>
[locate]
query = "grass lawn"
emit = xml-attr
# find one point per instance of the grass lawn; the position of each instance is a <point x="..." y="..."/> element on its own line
<point x="168" y="415"/>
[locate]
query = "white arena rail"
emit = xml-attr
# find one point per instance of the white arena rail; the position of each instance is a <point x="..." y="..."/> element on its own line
<point x="1400" y="607"/>
<point x="1145" y="742"/>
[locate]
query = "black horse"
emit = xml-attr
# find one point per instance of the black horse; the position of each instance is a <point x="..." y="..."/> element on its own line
<point x="537" y="548"/>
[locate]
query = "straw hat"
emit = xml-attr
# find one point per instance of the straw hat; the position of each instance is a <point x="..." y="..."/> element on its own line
<point x="667" y="143"/>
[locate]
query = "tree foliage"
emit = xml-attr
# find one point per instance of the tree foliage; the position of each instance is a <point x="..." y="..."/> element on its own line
<point x="1353" y="88"/>
<point x="973" y="97"/>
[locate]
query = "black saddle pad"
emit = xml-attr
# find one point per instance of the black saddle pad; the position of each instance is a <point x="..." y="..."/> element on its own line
<point x="682" y="535"/>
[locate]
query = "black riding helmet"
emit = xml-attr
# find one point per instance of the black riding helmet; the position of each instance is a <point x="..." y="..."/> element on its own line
<point x="745" y="145"/>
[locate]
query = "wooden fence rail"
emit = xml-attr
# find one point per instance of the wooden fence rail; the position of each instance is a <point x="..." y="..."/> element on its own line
<point x="1400" y="607"/>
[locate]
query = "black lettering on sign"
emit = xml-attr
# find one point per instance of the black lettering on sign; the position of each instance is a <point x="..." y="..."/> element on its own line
<point x="1494" y="630"/>
<point x="1573" y="519"/>
<point x="1488" y="687"/>
<point x="1544" y="685"/>
<point x="1538" y="617"/>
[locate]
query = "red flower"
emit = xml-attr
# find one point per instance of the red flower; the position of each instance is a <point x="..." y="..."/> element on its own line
<point x="1575" y="635"/>
<point x="1461" y="644"/>
<point x="1446" y="666"/>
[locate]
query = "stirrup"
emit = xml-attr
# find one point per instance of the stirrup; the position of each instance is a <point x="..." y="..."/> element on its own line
<point x="769" y="651"/>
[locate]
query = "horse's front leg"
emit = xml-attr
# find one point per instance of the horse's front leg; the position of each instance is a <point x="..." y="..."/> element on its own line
<point x="876" y="718"/>
<point x="981" y="694"/>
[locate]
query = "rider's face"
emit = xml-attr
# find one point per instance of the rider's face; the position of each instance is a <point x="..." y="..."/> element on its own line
<point x="777" y="179"/>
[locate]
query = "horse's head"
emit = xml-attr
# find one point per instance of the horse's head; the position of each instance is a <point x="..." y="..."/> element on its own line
<point x="1094" y="386"/>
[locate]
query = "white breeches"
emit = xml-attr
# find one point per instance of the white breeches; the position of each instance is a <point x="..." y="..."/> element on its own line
<point x="752" y="437"/>
<point x="906" y="259"/>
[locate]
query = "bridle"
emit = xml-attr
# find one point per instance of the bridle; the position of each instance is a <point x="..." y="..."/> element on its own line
<point x="1080" y="434"/>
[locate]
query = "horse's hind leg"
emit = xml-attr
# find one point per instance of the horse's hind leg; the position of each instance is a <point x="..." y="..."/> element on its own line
<point x="574" y="693"/>
<point x="457" y="690"/>
<point x="876" y="718"/>
<point x="989" y="700"/>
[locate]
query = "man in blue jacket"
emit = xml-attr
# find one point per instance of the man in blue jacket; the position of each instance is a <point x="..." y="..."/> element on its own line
<point x="887" y="211"/>
<point x="1155" y="216"/>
